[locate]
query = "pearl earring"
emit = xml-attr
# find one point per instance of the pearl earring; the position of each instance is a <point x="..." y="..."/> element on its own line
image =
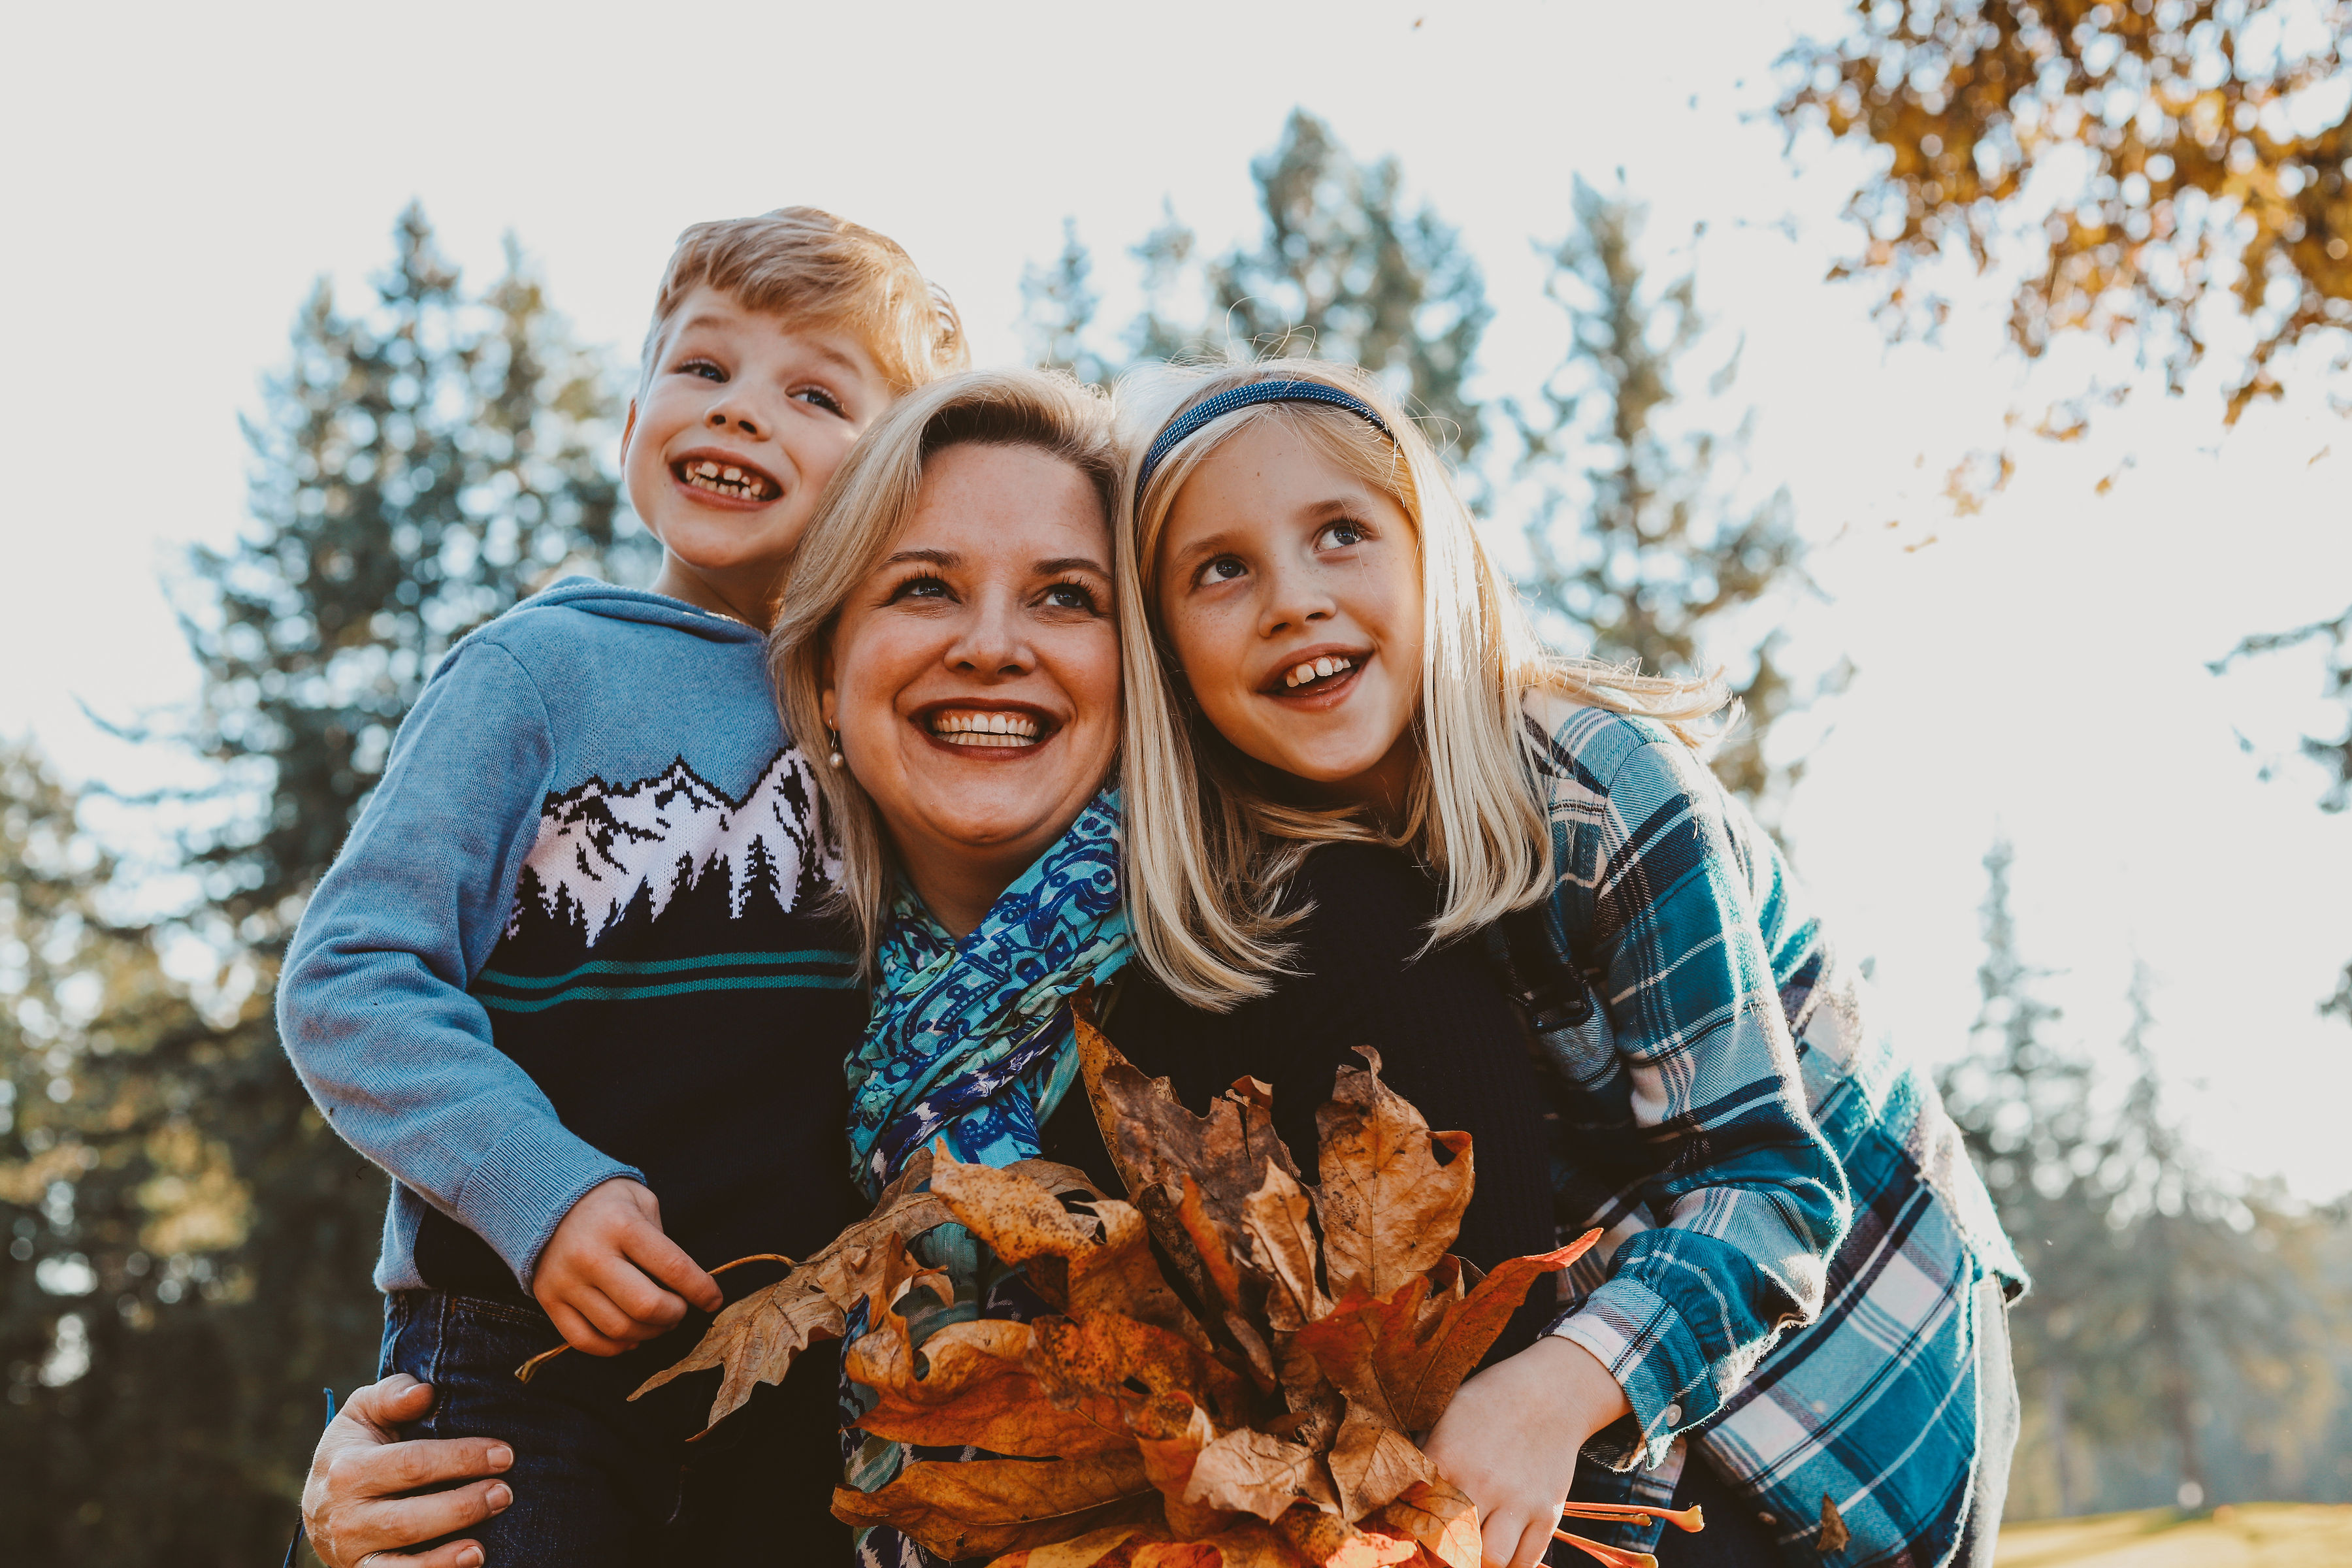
<point x="835" y="758"/>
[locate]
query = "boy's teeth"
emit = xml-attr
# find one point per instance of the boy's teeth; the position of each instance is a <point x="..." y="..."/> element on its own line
<point x="706" y="475"/>
<point x="968" y="729"/>
<point x="1317" y="669"/>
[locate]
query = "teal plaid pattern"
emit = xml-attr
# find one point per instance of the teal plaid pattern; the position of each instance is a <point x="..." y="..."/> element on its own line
<point x="1795" y="1235"/>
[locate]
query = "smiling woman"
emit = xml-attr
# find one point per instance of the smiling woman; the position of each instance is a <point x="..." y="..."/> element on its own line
<point x="953" y="629"/>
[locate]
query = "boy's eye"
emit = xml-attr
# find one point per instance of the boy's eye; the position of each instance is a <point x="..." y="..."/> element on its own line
<point x="706" y="369"/>
<point x="822" y="399"/>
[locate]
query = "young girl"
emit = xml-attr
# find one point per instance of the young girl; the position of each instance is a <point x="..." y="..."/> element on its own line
<point x="1803" y="1279"/>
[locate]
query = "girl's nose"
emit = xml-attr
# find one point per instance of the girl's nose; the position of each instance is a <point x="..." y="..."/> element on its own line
<point x="1294" y="597"/>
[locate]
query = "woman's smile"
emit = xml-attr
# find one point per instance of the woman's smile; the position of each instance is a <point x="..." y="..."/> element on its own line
<point x="1002" y="731"/>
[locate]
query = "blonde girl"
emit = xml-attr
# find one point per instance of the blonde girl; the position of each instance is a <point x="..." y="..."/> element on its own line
<point x="1798" y="1310"/>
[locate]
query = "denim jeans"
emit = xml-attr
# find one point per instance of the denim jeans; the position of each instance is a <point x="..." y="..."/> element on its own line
<point x="601" y="1482"/>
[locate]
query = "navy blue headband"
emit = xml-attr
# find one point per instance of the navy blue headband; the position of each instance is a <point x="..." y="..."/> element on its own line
<point x="1210" y="409"/>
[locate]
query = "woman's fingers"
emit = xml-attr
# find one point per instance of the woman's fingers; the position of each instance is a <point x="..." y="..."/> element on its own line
<point x="392" y="1525"/>
<point x="385" y="1406"/>
<point x="448" y="1555"/>
<point x="421" y="1462"/>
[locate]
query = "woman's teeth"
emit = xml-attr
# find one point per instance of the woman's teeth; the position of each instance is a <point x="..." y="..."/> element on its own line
<point x="1317" y="669"/>
<point x="985" y="729"/>
<point x="725" y="479"/>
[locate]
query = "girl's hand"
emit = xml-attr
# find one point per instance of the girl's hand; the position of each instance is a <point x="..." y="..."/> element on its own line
<point x="1510" y="1439"/>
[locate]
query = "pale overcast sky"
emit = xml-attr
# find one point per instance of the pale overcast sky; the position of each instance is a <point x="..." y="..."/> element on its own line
<point x="177" y="178"/>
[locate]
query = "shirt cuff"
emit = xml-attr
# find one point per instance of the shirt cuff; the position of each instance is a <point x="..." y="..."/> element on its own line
<point x="1655" y="1359"/>
<point x="524" y="1186"/>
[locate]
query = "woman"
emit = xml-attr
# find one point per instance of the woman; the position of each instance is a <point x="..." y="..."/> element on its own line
<point x="952" y="630"/>
<point x="1319" y="650"/>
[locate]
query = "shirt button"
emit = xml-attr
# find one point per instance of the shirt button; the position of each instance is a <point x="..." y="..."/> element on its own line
<point x="1673" y="1414"/>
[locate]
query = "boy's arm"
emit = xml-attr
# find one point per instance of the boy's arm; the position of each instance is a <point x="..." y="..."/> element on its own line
<point x="373" y="1003"/>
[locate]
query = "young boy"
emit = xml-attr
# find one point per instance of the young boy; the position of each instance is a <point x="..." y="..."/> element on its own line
<point x="567" y="981"/>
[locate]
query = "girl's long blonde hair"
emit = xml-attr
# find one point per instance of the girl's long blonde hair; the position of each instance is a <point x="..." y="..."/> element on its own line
<point x="863" y="513"/>
<point x="1210" y="843"/>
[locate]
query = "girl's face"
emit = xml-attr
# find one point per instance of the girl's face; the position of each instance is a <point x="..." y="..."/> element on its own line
<point x="973" y="676"/>
<point x="1290" y="592"/>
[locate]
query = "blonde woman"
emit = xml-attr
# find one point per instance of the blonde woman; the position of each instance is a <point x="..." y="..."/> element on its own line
<point x="1799" y="1313"/>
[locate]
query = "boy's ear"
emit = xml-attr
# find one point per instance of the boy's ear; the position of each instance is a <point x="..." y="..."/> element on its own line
<point x="628" y="430"/>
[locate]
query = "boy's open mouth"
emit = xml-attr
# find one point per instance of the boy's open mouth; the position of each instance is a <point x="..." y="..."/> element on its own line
<point x="987" y="728"/>
<point x="736" y="481"/>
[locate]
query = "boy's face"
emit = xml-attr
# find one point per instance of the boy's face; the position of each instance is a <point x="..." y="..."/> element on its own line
<point x="742" y="421"/>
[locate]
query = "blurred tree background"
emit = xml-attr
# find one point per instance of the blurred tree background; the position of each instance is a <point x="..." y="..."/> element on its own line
<point x="189" y="1246"/>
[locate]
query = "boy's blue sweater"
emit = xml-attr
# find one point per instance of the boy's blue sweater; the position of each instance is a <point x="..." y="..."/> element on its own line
<point x="572" y="938"/>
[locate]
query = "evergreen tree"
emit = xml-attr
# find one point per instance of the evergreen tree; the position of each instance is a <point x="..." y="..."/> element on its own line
<point x="1341" y="270"/>
<point x="1649" y="553"/>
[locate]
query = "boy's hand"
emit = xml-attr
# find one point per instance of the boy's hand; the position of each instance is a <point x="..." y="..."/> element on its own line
<point x="1510" y="1438"/>
<point x="602" y="1274"/>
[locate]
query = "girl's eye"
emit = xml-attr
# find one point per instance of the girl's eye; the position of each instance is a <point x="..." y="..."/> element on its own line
<point x="822" y="399"/>
<point x="706" y="369"/>
<point x="918" y="588"/>
<point x="1343" y="533"/>
<point x="1224" y="569"/>
<point x="1072" y="596"/>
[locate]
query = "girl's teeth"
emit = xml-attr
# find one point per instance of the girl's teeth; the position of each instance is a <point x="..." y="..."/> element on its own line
<point x="1317" y="669"/>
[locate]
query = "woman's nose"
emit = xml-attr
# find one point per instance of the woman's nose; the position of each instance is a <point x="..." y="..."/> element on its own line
<point x="990" y="643"/>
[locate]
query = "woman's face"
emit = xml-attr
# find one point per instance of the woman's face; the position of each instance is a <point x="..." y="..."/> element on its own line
<point x="1290" y="592"/>
<point x="973" y="676"/>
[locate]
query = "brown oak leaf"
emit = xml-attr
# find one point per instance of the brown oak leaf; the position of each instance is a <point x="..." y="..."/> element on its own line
<point x="1327" y="1541"/>
<point x="1170" y="1431"/>
<point x="1405" y="1353"/>
<point x="1253" y="1472"/>
<point x="1282" y="1243"/>
<point x="1389" y="1210"/>
<point x="971" y="1384"/>
<point x="1372" y="1463"/>
<point x="1439" y="1516"/>
<point x="980" y="1508"/>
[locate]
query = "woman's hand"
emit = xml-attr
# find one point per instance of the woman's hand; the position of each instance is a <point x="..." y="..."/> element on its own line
<point x="1510" y="1439"/>
<point x="354" y="1509"/>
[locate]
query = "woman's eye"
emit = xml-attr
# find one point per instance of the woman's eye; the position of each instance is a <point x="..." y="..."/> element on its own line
<point x="918" y="588"/>
<point x="822" y="399"/>
<point x="706" y="369"/>
<point x="1071" y="597"/>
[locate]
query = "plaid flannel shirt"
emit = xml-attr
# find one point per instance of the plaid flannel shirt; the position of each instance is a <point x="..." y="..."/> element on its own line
<point x="1795" y="1236"/>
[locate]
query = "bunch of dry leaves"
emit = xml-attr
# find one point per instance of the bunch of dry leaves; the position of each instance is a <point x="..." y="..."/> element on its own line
<point x="1238" y="1363"/>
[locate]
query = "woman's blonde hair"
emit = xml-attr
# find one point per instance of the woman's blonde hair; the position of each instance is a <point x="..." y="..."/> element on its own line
<point x="1209" y="844"/>
<point x="861" y="515"/>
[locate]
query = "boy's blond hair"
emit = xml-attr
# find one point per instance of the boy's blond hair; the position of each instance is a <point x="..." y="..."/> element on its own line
<point x="1210" y="841"/>
<point x="861" y="515"/>
<point x="807" y="265"/>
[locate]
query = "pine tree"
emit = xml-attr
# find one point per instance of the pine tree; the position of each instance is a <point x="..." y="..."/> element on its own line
<point x="1341" y="270"/>
<point x="1649" y="553"/>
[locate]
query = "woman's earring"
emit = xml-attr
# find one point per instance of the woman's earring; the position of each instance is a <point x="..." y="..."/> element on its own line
<point x="835" y="736"/>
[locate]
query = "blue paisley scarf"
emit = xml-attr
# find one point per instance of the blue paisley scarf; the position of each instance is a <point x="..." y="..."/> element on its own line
<point x="972" y="1041"/>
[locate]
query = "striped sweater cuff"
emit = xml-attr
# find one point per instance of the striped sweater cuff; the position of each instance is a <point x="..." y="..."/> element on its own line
<point x="524" y="1186"/>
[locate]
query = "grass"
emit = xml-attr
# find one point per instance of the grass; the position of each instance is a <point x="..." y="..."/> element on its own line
<point x="2245" y="1535"/>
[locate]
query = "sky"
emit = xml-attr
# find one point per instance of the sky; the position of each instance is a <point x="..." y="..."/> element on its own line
<point x="179" y="177"/>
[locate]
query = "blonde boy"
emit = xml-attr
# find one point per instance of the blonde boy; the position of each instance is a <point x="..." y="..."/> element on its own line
<point x="568" y="981"/>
